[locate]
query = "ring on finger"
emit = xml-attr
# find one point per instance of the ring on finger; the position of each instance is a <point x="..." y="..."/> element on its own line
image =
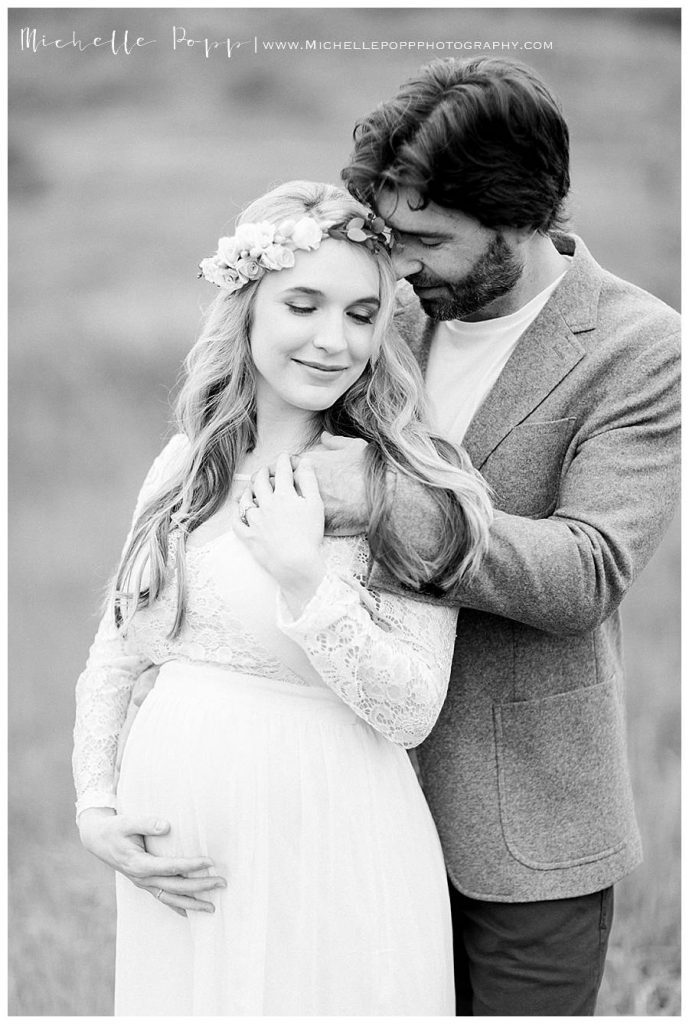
<point x="159" y="894"/>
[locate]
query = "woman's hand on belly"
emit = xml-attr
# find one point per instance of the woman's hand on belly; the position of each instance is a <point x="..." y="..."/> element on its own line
<point x="119" y="840"/>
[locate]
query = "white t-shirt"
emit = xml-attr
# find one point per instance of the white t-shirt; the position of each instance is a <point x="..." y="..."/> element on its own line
<point x="466" y="359"/>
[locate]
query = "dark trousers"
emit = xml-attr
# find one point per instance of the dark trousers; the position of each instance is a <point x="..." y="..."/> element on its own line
<point x="530" y="959"/>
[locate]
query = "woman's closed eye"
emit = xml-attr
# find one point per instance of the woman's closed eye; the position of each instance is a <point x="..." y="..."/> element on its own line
<point x="359" y="316"/>
<point x="362" y="317"/>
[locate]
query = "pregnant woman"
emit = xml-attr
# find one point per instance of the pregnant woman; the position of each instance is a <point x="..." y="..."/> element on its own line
<point x="283" y="857"/>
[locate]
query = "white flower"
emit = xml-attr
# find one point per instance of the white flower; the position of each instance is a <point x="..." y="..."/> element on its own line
<point x="212" y="271"/>
<point x="277" y="257"/>
<point x="256" y="248"/>
<point x="224" y="277"/>
<point x="254" y="236"/>
<point x="284" y="230"/>
<point x="306" y="234"/>
<point x="267" y="233"/>
<point x="249" y="268"/>
<point x="228" y="250"/>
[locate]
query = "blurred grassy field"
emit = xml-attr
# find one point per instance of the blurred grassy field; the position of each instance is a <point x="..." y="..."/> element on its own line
<point x="123" y="173"/>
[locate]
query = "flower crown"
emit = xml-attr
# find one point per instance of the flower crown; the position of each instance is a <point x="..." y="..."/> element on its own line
<point x="256" y="248"/>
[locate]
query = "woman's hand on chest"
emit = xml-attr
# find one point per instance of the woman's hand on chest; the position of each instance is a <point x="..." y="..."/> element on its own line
<point x="281" y="521"/>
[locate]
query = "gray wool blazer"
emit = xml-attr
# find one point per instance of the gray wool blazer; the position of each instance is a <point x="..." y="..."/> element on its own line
<point x="526" y="770"/>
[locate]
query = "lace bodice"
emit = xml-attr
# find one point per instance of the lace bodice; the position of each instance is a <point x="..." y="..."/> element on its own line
<point x="386" y="656"/>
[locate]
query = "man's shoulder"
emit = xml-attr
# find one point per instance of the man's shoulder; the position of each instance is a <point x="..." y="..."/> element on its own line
<point x="624" y="303"/>
<point x="616" y="309"/>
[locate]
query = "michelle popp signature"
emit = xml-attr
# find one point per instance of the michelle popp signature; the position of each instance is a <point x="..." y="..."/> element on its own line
<point x="123" y="42"/>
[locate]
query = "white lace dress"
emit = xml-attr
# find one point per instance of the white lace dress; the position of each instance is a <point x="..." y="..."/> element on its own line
<point x="277" y="748"/>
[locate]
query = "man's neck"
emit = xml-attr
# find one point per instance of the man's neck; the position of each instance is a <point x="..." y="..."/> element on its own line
<point x="543" y="264"/>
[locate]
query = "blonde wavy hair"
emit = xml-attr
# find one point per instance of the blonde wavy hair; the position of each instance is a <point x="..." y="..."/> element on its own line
<point x="216" y="410"/>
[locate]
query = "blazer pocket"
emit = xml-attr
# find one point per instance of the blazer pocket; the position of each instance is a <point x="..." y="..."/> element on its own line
<point x="525" y="468"/>
<point x="564" y="791"/>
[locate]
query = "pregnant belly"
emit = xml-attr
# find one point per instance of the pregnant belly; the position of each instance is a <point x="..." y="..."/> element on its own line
<point x="237" y="762"/>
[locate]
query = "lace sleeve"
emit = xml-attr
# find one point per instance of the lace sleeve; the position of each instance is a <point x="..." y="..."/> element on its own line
<point x="104" y="687"/>
<point x="387" y="657"/>
<point x="102" y="698"/>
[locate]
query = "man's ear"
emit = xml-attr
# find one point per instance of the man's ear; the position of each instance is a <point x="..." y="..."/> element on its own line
<point x="404" y="295"/>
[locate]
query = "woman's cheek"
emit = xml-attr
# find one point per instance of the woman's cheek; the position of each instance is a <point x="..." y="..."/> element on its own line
<point x="365" y="353"/>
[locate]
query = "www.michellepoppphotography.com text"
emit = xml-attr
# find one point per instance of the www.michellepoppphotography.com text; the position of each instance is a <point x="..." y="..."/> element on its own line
<point x="123" y="42"/>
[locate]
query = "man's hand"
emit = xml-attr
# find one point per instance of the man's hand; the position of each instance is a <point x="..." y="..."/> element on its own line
<point x="142" y="688"/>
<point x="338" y="463"/>
<point x="144" y="685"/>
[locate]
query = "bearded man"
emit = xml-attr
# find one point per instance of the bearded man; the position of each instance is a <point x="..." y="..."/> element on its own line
<point x="562" y="383"/>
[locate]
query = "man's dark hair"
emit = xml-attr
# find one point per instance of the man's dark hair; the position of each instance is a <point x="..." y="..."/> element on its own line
<point x="484" y="136"/>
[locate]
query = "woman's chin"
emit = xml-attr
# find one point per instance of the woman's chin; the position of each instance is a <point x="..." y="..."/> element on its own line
<point x="317" y="399"/>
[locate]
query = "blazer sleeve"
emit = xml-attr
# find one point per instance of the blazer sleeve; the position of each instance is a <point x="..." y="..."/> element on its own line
<point x="565" y="574"/>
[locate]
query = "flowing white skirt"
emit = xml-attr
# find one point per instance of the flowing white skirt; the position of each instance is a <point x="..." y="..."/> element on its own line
<point x="336" y="902"/>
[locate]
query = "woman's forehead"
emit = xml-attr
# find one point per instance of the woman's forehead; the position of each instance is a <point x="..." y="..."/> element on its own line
<point x="337" y="268"/>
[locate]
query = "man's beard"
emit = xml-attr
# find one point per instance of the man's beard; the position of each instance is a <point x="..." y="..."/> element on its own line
<point x="494" y="274"/>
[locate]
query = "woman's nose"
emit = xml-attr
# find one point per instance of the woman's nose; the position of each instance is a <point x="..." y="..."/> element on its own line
<point x="330" y="336"/>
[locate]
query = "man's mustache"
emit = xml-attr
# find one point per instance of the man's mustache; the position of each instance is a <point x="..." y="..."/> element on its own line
<point x="418" y="281"/>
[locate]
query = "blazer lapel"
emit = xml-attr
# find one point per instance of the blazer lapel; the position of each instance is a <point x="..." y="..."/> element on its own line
<point x="544" y="354"/>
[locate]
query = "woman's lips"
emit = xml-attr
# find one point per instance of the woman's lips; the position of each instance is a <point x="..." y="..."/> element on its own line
<point x="320" y="367"/>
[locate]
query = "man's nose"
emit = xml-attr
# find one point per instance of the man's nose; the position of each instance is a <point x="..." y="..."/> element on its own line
<point x="403" y="263"/>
